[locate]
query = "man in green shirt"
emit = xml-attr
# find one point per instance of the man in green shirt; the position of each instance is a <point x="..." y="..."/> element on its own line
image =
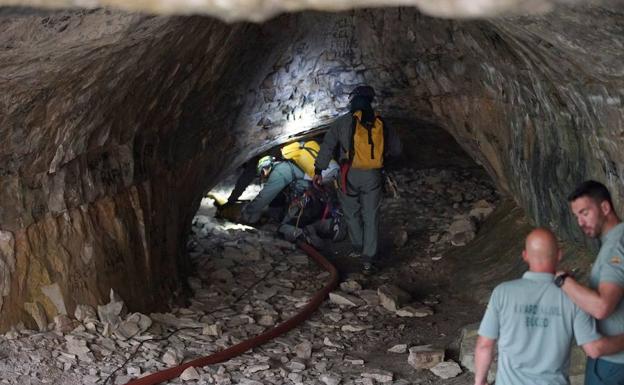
<point x="592" y="206"/>
<point x="534" y="322"/>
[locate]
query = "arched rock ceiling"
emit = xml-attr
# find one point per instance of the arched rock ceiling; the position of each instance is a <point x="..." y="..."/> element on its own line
<point x="112" y="125"/>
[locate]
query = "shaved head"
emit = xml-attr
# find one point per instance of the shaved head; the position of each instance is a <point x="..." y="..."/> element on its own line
<point x="541" y="250"/>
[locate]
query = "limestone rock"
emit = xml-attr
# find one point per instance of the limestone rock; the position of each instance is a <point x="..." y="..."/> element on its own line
<point x="392" y="297"/>
<point x="133" y="371"/>
<point x="350" y="286"/>
<point x="267" y="320"/>
<point x="173" y="321"/>
<point x="446" y="370"/>
<point x="462" y="231"/>
<point x="247" y="381"/>
<point x="172" y="357"/>
<point x="296" y="365"/>
<point x="425" y="357"/>
<point x="76" y="346"/>
<point x="304" y="350"/>
<point x="378" y="375"/>
<point x="113" y="311"/>
<point x="369" y="296"/>
<point x="257" y="368"/>
<point x="11" y="334"/>
<point x="344" y="299"/>
<point x="85" y="313"/>
<point x="411" y="311"/>
<point x="336" y="317"/>
<point x="133" y="325"/>
<point x="467" y="346"/>
<point x="212" y="330"/>
<point x="38" y="313"/>
<point x="481" y="210"/>
<point x="63" y="324"/>
<point x="53" y="292"/>
<point x="328" y="342"/>
<point x="330" y="379"/>
<point x="296" y="378"/>
<point x="190" y="374"/>
<point x="354" y="328"/>
<point x="7" y="262"/>
<point x="354" y="361"/>
<point x="401" y="348"/>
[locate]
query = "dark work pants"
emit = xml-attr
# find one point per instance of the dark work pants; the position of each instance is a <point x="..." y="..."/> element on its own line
<point x="601" y="372"/>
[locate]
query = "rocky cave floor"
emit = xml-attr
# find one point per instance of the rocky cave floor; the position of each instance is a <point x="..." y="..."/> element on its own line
<point x="247" y="281"/>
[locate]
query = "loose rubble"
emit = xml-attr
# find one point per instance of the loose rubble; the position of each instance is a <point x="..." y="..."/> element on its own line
<point x="247" y="282"/>
<point x="425" y="357"/>
<point x="446" y="370"/>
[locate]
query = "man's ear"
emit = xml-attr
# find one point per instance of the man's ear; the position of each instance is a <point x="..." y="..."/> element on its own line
<point x="605" y="207"/>
<point x="559" y="255"/>
<point x="525" y="258"/>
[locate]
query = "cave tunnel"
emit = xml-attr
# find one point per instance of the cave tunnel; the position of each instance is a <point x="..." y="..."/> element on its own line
<point x="115" y="124"/>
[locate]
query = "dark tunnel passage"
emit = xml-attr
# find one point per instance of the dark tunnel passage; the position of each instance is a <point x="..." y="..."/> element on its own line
<point x="114" y="125"/>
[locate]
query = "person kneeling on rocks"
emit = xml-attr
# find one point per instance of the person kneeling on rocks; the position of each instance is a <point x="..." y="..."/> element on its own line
<point x="303" y="212"/>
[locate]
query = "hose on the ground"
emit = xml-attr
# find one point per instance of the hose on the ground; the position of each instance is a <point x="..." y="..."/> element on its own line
<point x="240" y="348"/>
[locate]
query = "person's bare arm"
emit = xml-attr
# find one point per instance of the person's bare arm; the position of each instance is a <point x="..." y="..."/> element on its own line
<point x="484" y="353"/>
<point x="604" y="346"/>
<point x="600" y="304"/>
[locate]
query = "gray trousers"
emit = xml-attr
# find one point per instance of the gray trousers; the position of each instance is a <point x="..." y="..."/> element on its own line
<point x="361" y="209"/>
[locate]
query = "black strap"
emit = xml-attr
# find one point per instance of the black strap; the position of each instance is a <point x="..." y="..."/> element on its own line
<point x="311" y="151"/>
<point x="351" y="153"/>
<point x="385" y="135"/>
<point x="370" y="140"/>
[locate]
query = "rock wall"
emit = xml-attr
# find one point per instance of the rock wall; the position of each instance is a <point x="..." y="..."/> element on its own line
<point x="113" y="125"/>
<point x="536" y="100"/>
<point x="108" y="123"/>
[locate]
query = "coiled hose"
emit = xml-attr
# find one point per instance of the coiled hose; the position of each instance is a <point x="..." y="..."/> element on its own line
<point x="240" y="348"/>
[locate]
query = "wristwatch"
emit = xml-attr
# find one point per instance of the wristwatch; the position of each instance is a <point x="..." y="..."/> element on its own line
<point x="560" y="279"/>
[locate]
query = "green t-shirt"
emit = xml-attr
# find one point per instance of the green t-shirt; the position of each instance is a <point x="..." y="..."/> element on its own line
<point x="534" y="322"/>
<point x="609" y="267"/>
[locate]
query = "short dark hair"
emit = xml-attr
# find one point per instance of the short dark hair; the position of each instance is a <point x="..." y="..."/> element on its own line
<point x="590" y="188"/>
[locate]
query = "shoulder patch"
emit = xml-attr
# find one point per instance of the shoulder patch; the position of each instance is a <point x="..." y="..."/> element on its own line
<point x="615" y="260"/>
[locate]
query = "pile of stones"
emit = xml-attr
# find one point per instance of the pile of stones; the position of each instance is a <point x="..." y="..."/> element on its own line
<point x="248" y="281"/>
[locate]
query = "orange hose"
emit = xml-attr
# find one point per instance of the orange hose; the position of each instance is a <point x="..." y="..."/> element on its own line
<point x="242" y="347"/>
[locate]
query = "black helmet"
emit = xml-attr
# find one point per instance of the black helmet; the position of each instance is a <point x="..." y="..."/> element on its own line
<point x="365" y="91"/>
